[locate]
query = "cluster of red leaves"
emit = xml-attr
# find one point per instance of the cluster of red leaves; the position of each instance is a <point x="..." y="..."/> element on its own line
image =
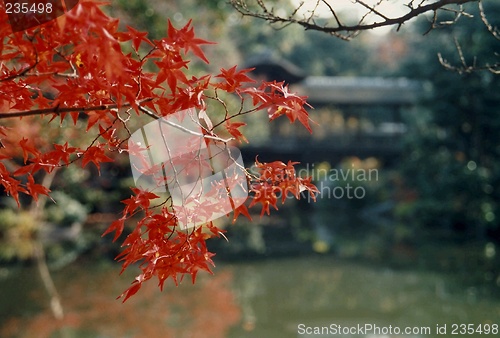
<point x="81" y="66"/>
<point x="276" y="98"/>
<point x="277" y="180"/>
<point x="162" y="249"/>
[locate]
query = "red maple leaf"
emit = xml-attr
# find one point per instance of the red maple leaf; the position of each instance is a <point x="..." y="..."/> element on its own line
<point x="130" y="291"/>
<point x="265" y="195"/>
<point x="140" y="200"/>
<point x="12" y="187"/>
<point x="64" y="151"/>
<point x="243" y="210"/>
<point x="116" y="226"/>
<point x="136" y="36"/>
<point x="36" y="189"/>
<point x="287" y="103"/>
<point x="232" y="128"/>
<point x="233" y="79"/>
<point x="28" y="147"/>
<point x="185" y="39"/>
<point x="95" y="154"/>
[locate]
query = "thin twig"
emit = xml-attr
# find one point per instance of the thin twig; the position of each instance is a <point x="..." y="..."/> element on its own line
<point x="493" y="30"/>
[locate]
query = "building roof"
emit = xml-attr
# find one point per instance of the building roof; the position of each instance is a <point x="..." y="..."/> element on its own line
<point x="275" y="68"/>
<point x="359" y="90"/>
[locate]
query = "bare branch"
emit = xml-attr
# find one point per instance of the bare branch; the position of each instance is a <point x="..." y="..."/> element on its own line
<point x="465" y="68"/>
<point x="494" y="68"/>
<point x="347" y="31"/>
<point x="373" y="10"/>
<point x="372" y="15"/>
<point x="493" y="30"/>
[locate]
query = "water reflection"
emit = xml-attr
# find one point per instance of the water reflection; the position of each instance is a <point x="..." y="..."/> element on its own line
<point x="252" y="299"/>
<point x="207" y="309"/>
<point x="324" y="291"/>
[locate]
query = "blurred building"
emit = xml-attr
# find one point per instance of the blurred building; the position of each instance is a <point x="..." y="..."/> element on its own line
<point x="352" y="116"/>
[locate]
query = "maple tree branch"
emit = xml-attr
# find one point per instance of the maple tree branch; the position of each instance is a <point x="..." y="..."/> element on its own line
<point x="110" y="69"/>
<point x="227" y="116"/>
<point x="24" y="71"/>
<point x="184" y="129"/>
<point x="223" y="104"/>
<point x="61" y="110"/>
<point x="64" y="75"/>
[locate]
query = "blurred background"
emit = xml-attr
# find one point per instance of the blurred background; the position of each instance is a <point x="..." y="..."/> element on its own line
<point x="405" y="231"/>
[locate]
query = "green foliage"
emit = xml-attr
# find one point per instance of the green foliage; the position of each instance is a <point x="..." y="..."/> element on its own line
<point x="17" y="233"/>
<point x="66" y="211"/>
<point x="452" y="157"/>
<point x="320" y="54"/>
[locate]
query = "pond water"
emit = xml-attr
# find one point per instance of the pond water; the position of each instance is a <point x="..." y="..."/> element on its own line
<point x="314" y="296"/>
